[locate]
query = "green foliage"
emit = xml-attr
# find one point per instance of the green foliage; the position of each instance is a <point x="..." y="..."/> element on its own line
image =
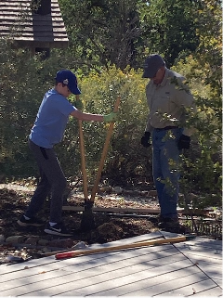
<point x="169" y="27"/>
<point x="102" y="32"/>
<point x="109" y="39"/>
<point x="203" y="168"/>
<point x="99" y="93"/>
<point x="26" y="78"/>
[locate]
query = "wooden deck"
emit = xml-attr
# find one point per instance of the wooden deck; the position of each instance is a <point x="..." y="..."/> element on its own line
<point x="191" y="268"/>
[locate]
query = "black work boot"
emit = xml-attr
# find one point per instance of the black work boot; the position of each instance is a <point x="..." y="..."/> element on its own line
<point x="169" y="224"/>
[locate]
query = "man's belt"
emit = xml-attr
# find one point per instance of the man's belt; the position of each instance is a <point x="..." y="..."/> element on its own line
<point x="166" y="128"/>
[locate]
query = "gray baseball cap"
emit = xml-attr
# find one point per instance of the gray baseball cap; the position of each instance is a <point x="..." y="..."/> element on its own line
<point x="152" y="65"/>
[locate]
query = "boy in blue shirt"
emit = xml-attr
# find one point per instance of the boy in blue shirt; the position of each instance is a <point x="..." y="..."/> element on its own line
<point x="47" y="131"/>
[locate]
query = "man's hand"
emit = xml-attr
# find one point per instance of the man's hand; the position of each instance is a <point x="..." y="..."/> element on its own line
<point x="78" y="104"/>
<point x="145" y="139"/>
<point x="112" y="117"/>
<point x="184" y="142"/>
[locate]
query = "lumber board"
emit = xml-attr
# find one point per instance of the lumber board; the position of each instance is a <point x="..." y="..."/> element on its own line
<point x="213" y="292"/>
<point x="131" y="210"/>
<point x="120" y="281"/>
<point x="79" y="266"/>
<point x="129" y="289"/>
<point x="165" y="288"/>
<point x="199" y="250"/>
<point x="49" y="261"/>
<point x="21" y="266"/>
<point x="141" y="271"/>
<point x="191" y="289"/>
<point x="86" y="263"/>
<point x="73" y="283"/>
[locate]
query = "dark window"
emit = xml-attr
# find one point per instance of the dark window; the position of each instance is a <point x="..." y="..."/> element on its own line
<point x="45" y="52"/>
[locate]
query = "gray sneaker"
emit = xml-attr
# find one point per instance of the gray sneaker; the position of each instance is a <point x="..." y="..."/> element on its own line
<point x="58" y="230"/>
<point x="29" y="222"/>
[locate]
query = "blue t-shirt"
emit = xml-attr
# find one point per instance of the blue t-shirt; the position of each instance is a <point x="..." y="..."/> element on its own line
<point x="51" y="120"/>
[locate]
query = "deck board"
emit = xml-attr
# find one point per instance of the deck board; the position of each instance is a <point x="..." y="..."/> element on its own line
<point x="213" y="292"/>
<point x="182" y="269"/>
<point x="75" y="281"/>
<point x="117" y="261"/>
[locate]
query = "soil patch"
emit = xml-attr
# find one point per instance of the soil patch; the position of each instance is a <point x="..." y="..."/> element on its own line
<point x="17" y="242"/>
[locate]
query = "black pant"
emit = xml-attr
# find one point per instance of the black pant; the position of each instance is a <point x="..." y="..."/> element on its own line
<point x="52" y="181"/>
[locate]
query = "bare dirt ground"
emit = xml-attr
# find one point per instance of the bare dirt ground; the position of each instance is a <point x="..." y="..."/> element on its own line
<point x="20" y="242"/>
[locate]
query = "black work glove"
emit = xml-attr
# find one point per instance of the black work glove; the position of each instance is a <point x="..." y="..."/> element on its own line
<point x="184" y="142"/>
<point x="145" y="139"/>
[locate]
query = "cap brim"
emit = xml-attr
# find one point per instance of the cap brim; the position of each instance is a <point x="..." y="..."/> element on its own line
<point x="75" y="90"/>
<point x="148" y="74"/>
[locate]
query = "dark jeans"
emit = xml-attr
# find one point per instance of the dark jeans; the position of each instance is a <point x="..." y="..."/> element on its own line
<point x="166" y="169"/>
<point x="52" y="181"/>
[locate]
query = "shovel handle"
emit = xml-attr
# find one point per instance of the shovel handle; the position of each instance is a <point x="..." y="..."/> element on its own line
<point x="104" y="153"/>
<point x="83" y="159"/>
<point x="75" y="253"/>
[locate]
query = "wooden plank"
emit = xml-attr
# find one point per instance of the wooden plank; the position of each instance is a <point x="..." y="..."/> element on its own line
<point x="89" y="267"/>
<point x="218" y="281"/>
<point x="194" y="289"/>
<point x="122" y="272"/>
<point x="92" y="261"/>
<point x="86" y="262"/>
<point x="88" y="285"/>
<point x="156" y="289"/>
<point x="20" y="266"/>
<point x="129" y="289"/>
<point x="206" y="242"/>
<point x="202" y="260"/>
<point x="212" y="271"/>
<point x="200" y="251"/>
<point x="150" y="236"/>
<point x="214" y="292"/>
<point x="14" y="14"/>
<point x="130" y="210"/>
<point x="113" y="210"/>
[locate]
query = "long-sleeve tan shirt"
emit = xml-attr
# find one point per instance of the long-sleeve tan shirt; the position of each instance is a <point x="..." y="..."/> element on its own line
<point x="167" y="102"/>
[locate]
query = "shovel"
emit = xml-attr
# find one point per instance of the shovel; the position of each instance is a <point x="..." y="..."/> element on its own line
<point x="84" y="175"/>
<point x="88" y="222"/>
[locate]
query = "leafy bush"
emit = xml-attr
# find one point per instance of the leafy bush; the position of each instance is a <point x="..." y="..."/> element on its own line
<point x="25" y="79"/>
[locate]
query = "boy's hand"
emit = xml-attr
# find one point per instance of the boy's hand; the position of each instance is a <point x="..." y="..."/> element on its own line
<point x="112" y="117"/>
<point x="78" y="104"/>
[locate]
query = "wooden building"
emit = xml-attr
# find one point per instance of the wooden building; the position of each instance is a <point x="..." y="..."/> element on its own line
<point x="33" y="24"/>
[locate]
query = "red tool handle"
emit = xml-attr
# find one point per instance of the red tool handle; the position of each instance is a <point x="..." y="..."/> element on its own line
<point x="75" y="253"/>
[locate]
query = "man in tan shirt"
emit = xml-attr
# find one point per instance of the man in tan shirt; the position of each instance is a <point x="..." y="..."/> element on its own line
<point x="168" y="99"/>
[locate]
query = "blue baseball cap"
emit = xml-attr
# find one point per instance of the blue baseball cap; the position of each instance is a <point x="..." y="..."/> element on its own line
<point x="152" y="65"/>
<point x="68" y="78"/>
